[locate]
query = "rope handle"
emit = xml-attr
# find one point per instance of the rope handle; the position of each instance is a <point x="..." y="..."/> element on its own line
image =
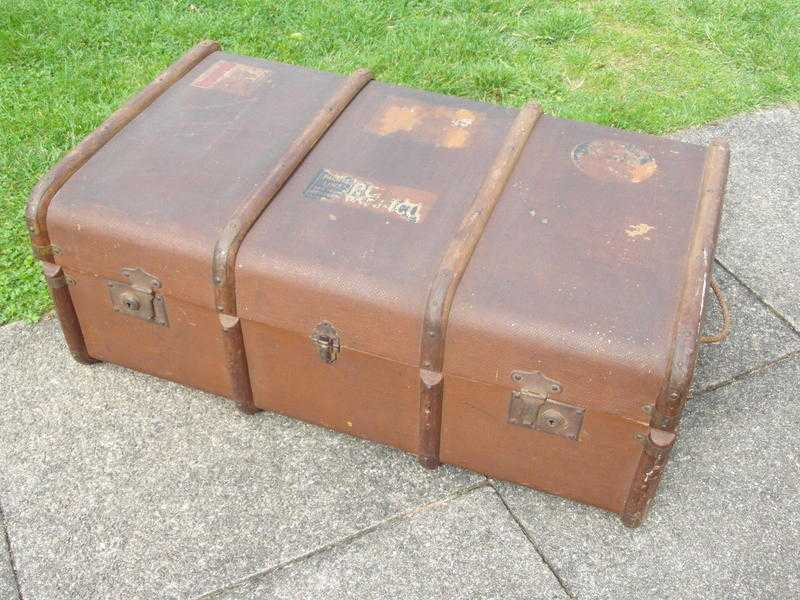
<point x="726" y="317"/>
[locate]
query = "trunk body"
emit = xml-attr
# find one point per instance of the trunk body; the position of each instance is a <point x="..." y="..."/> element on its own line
<point x="482" y="286"/>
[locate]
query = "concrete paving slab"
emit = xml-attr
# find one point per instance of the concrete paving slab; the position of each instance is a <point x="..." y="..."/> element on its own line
<point x="760" y="235"/>
<point x="726" y="522"/>
<point x="469" y="547"/>
<point x="758" y="335"/>
<point x="119" y="485"/>
<point x="8" y="582"/>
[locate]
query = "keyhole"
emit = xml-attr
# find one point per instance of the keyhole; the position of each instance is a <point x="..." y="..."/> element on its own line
<point x="130" y="304"/>
<point x="552" y="419"/>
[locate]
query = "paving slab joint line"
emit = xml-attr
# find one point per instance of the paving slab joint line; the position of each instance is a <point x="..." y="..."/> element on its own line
<point x="753" y="371"/>
<point x="530" y="539"/>
<point x="775" y="312"/>
<point x="11" y="560"/>
<point x="349" y="538"/>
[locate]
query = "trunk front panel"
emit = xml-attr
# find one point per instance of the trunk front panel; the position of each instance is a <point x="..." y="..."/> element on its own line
<point x="360" y="394"/>
<point x="189" y="350"/>
<point x="597" y="468"/>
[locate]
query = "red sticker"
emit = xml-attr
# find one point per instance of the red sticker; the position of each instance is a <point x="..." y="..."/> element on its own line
<point x="231" y="77"/>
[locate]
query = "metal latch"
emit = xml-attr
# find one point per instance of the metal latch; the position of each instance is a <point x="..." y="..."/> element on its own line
<point x="326" y="339"/>
<point x="533" y="406"/>
<point x="137" y="297"/>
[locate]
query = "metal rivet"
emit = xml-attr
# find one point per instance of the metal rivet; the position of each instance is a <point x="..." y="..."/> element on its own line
<point x="639" y="436"/>
<point x="648" y="409"/>
<point x="516" y="377"/>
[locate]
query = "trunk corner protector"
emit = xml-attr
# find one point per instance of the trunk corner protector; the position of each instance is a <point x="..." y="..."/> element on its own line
<point x="657" y="445"/>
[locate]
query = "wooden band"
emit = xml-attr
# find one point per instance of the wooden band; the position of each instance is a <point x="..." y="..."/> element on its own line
<point x="657" y="445"/>
<point x="445" y="283"/>
<point x="245" y="216"/>
<point x="672" y="397"/>
<point x="65" y="310"/>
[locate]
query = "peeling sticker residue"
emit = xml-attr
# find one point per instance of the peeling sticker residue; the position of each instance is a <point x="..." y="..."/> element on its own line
<point x="399" y="202"/>
<point x="397" y="117"/>
<point x="439" y="125"/>
<point x="463" y="121"/>
<point x="232" y="77"/>
<point x="638" y="230"/>
<point x="611" y="160"/>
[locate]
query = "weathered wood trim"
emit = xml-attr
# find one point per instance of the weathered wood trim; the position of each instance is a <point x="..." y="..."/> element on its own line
<point x="673" y="396"/>
<point x="677" y="387"/>
<point x="445" y="283"/>
<point x="65" y="310"/>
<point x="245" y="216"/>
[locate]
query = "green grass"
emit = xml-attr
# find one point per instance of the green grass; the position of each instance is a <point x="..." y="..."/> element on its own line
<point x="649" y="65"/>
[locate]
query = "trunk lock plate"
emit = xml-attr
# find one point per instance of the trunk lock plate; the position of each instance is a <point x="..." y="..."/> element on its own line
<point x="137" y="297"/>
<point x="532" y="406"/>
<point x="326" y="339"/>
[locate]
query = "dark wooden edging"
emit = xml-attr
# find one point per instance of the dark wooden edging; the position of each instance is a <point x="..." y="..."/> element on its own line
<point x="224" y="258"/>
<point x="451" y="269"/>
<point x="245" y="216"/>
<point x="657" y="445"/>
<point x="674" y="394"/>
<point x="51" y="182"/>
<point x="62" y="303"/>
<point x="672" y="397"/>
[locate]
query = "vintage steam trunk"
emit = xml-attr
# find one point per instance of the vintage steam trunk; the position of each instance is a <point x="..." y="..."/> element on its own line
<point x="488" y="287"/>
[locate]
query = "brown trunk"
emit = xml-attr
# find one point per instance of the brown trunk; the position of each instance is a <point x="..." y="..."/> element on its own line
<point x="427" y="272"/>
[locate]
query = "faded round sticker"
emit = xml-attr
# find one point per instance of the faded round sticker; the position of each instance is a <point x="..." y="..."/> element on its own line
<point x="610" y="160"/>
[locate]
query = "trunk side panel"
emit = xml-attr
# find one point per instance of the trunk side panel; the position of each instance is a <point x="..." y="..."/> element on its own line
<point x="189" y="351"/>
